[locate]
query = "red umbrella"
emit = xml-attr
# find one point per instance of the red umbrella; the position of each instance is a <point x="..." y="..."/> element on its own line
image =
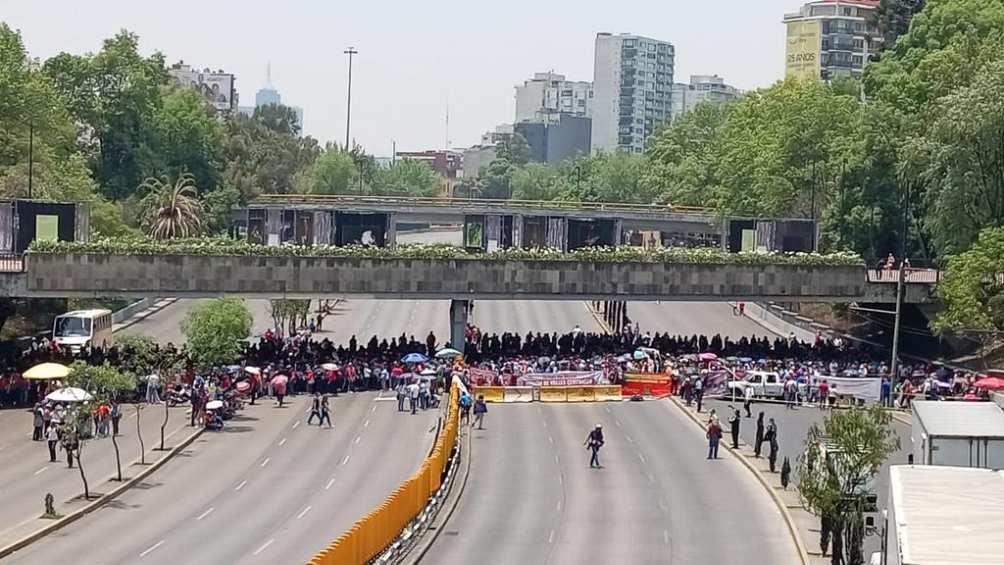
<point x="990" y="383"/>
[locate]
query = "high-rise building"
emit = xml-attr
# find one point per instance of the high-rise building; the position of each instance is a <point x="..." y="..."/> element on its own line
<point x="632" y="90"/>
<point x="551" y="142"/>
<point x="702" y="88"/>
<point x="267" y="95"/>
<point x="828" y="39"/>
<point x="548" y="95"/>
<point x="217" y="87"/>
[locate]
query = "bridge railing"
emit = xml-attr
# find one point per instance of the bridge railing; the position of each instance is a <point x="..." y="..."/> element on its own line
<point x="487" y="203"/>
<point x="12" y="263"/>
<point x="912" y="276"/>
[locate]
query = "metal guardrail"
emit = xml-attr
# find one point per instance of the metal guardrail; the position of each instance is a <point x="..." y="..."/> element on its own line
<point x="485" y="203"/>
<point x="12" y="263"/>
<point x="911" y="276"/>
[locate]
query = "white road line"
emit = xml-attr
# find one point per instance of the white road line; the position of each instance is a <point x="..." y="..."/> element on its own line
<point x="303" y="513"/>
<point x="629" y="439"/>
<point x="346" y="460"/>
<point x="561" y="481"/>
<point x="295" y="424"/>
<point x="663" y="506"/>
<point x="607" y="408"/>
<point x="40" y="471"/>
<point x="331" y="482"/>
<point x="265" y="462"/>
<point x="264" y="545"/>
<point x="618" y="422"/>
<point x="366" y="424"/>
<point x="374" y="409"/>
<point x="206" y="513"/>
<point x="651" y="478"/>
<point x="358" y="439"/>
<point x="642" y="457"/>
<point x="559" y="506"/>
<point x="151" y="548"/>
<point x="556" y="459"/>
<point x="240" y="486"/>
<point x="550" y="537"/>
<point x="282" y="441"/>
<point x="550" y="439"/>
<point x="665" y="536"/>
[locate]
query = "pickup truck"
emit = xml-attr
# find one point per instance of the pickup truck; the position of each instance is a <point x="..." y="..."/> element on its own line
<point x="766" y="384"/>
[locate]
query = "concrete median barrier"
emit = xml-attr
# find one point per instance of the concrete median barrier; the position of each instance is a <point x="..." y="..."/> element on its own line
<point x="608" y="393"/>
<point x="491" y="393"/>
<point x="518" y="394"/>
<point x="580" y="394"/>
<point x="553" y="394"/>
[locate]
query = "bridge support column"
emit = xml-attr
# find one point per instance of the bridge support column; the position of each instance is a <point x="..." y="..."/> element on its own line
<point x="458" y="323"/>
<point x="390" y="237"/>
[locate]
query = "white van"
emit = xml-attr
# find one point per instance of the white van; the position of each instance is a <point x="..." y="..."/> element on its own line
<point x="81" y="328"/>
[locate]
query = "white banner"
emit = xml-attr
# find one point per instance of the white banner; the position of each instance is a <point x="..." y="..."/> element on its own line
<point x="866" y="388"/>
<point x="562" y="378"/>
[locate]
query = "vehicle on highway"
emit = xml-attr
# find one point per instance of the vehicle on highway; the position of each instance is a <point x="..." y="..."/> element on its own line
<point x="764" y="383"/>
<point x="81" y="328"/>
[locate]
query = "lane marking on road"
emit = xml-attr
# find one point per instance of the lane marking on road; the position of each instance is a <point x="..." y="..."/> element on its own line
<point x="556" y="459"/>
<point x="663" y="506"/>
<point x="366" y="424"/>
<point x="346" y="460"/>
<point x="303" y="512"/>
<point x="358" y="439"/>
<point x="561" y="480"/>
<point x="328" y="486"/>
<point x="618" y="422"/>
<point x="558" y="508"/>
<point x="651" y="478"/>
<point x="40" y="471"/>
<point x="642" y="457"/>
<point x="263" y="546"/>
<point x="295" y="424"/>
<point x="629" y="439"/>
<point x="665" y="536"/>
<point x="265" y="462"/>
<point x="374" y="409"/>
<point x="151" y="548"/>
<point x="607" y="408"/>
<point x="550" y="439"/>
<point x="550" y="537"/>
<point x="282" y="442"/>
<point x="240" y="486"/>
<point x="206" y="513"/>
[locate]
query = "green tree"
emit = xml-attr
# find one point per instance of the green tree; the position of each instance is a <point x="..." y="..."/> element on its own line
<point x="264" y="154"/>
<point x="172" y="210"/>
<point x="682" y="158"/>
<point x="289" y="314"/>
<point x="334" y="172"/>
<point x="514" y="149"/>
<point x="972" y="289"/>
<point x="894" y="18"/>
<point x="185" y="136"/>
<point x="407" y="177"/>
<point x="539" y="181"/>
<point x="113" y="95"/>
<point x="105" y="383"/>
<point x="836" y="473"/>
<point x="214" y="331"/>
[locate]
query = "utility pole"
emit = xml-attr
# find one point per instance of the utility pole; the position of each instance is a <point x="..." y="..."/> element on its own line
<point x="894" y="363"/>
<point x="31" y="156"/>
<point x="393" y="152"/>
<point x="348" y="107"/>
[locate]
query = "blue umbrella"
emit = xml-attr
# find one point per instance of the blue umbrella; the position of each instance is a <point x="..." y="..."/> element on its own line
<point x="414" y="358"/>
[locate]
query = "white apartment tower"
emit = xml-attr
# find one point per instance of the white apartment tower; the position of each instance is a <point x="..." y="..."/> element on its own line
<point x="632" y="90"/>
<point x="702" y="88"/>
<point x="547" y="95"/>
<point x="828" y="39"/>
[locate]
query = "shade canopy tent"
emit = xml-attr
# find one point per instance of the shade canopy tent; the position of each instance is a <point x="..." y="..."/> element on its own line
<point x="47" y="371"/>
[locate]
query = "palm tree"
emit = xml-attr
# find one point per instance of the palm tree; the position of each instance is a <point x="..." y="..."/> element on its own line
<point x="172" y="211"/>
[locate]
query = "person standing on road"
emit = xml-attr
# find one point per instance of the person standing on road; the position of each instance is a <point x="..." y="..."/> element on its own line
<point x="734" y="428"/>
<point x="771" y="438"/>
<point x="594" y="441"/>
<point x="315" y="409"/>
<point x="714" y="436"/>
<point x="759" y="435"/>
<point x="39" y="423"/>
<point x="465" y="407"/>
<point x="325" y="412"/>
<point x="824" y="395"/>
<point x="413" y="396"/>
<point x="116" y="417"/>
<point x="480" y="409"/>
<point x="52" y="437"/>
<point x="401" y="390"/>
<point x="748" y="400"/>
<point x="699" y="391"/>
<point x="152" y="394"/>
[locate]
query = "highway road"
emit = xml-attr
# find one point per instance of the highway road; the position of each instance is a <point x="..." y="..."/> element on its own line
<point x="532" y="498"/>
<point x="693" y="318"/>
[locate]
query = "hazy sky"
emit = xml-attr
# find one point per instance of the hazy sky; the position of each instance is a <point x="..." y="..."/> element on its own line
<point x="414" y="57"/>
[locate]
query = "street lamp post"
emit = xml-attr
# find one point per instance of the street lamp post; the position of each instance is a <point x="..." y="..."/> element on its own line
<point x="894" y="363"/>
<point x="348" y="107"/>
<point x="31" y="157"/>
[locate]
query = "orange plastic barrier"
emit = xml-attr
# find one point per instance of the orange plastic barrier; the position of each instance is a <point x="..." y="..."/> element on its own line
<point x="518" y="394"/>
<point x="375" y="531"/>
<point x="491" y="393"/>
<point x="607" y="393"/>
<point x="580" y="394"/>
<point x="553" y="394"/>
<point x="647" y="384"/>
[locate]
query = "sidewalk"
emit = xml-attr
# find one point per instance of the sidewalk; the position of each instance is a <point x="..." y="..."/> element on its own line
<point x="803" y="522"/>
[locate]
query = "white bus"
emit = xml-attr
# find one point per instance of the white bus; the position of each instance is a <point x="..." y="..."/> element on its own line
<point x="81" y="328"/>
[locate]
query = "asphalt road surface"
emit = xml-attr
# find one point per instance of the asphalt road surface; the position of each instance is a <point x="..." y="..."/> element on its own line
<point x="693" y="318"/>
<point x="532" y="498"/>
<point x="268" y="489"/>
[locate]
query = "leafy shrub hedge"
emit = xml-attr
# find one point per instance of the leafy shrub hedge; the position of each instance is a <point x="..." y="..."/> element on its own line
<point x="230" y="247"/>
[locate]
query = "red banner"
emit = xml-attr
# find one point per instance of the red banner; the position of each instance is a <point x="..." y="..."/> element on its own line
<point x="647" y="384"/>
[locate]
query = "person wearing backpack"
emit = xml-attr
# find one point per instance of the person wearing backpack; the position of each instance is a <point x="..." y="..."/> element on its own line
<point x="465" y="407"/>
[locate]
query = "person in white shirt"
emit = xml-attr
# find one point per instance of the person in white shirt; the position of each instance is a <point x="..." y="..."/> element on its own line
<point x="413" y="396"/>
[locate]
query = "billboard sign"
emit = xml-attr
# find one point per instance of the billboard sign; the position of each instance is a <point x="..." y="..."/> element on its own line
<point x="802" y="55"/>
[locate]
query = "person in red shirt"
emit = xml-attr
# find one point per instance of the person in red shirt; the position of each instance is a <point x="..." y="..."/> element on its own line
<point x="824" y="395"/>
